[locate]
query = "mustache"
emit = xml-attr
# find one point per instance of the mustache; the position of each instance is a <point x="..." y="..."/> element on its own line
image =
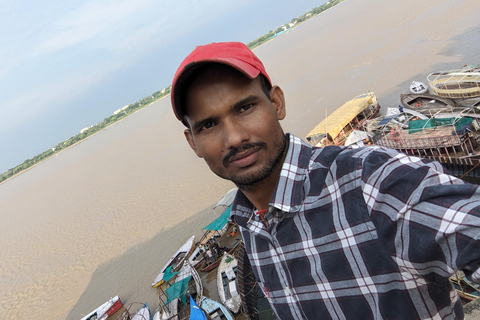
<point x="234" y="151"/>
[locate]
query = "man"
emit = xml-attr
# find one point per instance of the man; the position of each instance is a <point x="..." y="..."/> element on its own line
<point x="334" y="232"/>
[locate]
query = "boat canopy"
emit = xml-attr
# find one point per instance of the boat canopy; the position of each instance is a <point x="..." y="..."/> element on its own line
<point x="220" y="222"/>
<point x="334" y="123"/>
<point x="419" y="125"/>
<point x="178" y="290"/>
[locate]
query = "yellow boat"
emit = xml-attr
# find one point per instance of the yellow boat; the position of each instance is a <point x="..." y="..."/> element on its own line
<point x="334" y="130"/>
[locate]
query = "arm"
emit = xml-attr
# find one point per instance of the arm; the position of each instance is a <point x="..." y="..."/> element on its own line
<point x="430" y="219"/>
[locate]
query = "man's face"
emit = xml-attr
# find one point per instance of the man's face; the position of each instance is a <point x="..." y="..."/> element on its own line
<point x="234" y="126"/>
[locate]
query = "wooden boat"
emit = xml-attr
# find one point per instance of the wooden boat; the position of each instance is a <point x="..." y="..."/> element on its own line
<point x="418" y="87"/>
<point x="215" y="310"/>
<point x="447" y="140"/>
<point x="143" y="313"/>
<point x="427" y="103"/>
<point x="227" y="283"/>
<point x="220" y="235"/>
<point x="394" y="119"/>
<point x="105" y="310"/>
<point x="456" y="84"/>
<point x="176" y="260"/>
<point x="335" y="129"/>
<point x="196" y="259"/>
<point x="467" y="290"/>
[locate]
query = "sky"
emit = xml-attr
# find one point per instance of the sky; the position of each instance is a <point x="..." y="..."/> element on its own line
<point x="67" y="65"/>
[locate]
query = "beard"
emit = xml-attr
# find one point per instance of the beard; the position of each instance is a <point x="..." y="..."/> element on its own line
<point x="247" y="182"/>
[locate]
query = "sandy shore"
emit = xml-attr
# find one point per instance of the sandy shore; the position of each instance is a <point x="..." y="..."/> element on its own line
<point x="100" y="219"/>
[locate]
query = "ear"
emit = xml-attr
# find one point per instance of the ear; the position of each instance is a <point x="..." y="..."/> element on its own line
<point x="191" y="142"/>
<point x="278" y="102"/>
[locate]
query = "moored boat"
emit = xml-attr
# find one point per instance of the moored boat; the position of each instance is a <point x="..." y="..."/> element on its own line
<point x="427" y="103"/>
<point x="418" y="87"/>
<point x="335" y="129"/>
<point x="467" y="290"/>
<point x="105" y="310"/>
<point x="461" y="83"/>
<point x="143" y="313"/>
<point x="451" y="140"/>
<point x="227" y="283"/>
<point x="215" y="310"/>
<point x="220" y="235"/>
<point x="173" y="300"/>
<point x="176" y="260"/>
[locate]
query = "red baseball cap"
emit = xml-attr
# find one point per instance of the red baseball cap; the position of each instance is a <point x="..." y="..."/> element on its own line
<point x="233" y="54"/>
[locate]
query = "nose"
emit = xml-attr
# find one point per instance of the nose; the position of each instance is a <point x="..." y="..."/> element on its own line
<point x="235" y="133"/>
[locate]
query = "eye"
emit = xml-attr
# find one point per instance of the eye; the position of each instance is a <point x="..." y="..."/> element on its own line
<point x="207" y="125"/>
<point x="245" y="107"/>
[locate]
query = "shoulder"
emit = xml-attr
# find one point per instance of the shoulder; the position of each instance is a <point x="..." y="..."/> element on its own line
<point x="368" y="161"/>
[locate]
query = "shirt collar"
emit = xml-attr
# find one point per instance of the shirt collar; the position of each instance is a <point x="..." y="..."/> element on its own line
<point x="289" y="191"/>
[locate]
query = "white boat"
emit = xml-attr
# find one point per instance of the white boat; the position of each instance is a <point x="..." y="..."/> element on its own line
<point x="143" y="313"/>
<point x="157" y="314"/>
<point x="176" y="260"/>
<point x="418" y="87"/>
<point x="227" y="283"/>
<point x="215" y="310"/>
<point x="180" y="290"/>
<point x="456" y="84"/>
<point x="105" y="310"/>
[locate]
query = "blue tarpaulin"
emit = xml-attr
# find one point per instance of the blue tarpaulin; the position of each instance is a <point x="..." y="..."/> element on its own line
<point x="195" y="312"/>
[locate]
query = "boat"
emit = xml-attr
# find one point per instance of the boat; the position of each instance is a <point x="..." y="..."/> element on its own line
<point x="143" y="313"/>
<point x="196" y="259"/>
<point x="220" y="235"/>
<point x="461" y="83"/>
<point x="215" y="310"/>
<point x="449" y="140"/>
<point x="394" y="119"/>
<point x="418" y="87"/>
<point x="335" y="129"/>
<point x="174" y="299"/>
<point x="157" y="315"/>
<point x="427" y="103"/>
<point x="105" y="310"/>
<point x="227" y="283"/>
<point x="176" y="261"/>
<point x="467" y="290"/>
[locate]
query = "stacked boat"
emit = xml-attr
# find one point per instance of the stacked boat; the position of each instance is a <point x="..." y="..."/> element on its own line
<point x="443" y="125"/>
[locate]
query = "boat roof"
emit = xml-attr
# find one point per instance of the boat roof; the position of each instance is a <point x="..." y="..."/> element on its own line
<point x="335" y="122"/>
<point x="220" y="222"/>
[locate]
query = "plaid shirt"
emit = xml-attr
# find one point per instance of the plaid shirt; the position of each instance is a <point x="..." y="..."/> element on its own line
<point x="366" y="233"/>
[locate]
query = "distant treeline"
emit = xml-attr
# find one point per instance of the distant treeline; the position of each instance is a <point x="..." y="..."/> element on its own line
<point x="294" y="22"/>
<point x="124" y="112"/>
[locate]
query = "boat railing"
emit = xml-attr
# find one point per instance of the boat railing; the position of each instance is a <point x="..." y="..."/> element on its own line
<point x="455" y="84"/>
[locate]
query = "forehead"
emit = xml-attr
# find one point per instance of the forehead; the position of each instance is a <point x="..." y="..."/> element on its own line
<point x="214" y="79"/>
